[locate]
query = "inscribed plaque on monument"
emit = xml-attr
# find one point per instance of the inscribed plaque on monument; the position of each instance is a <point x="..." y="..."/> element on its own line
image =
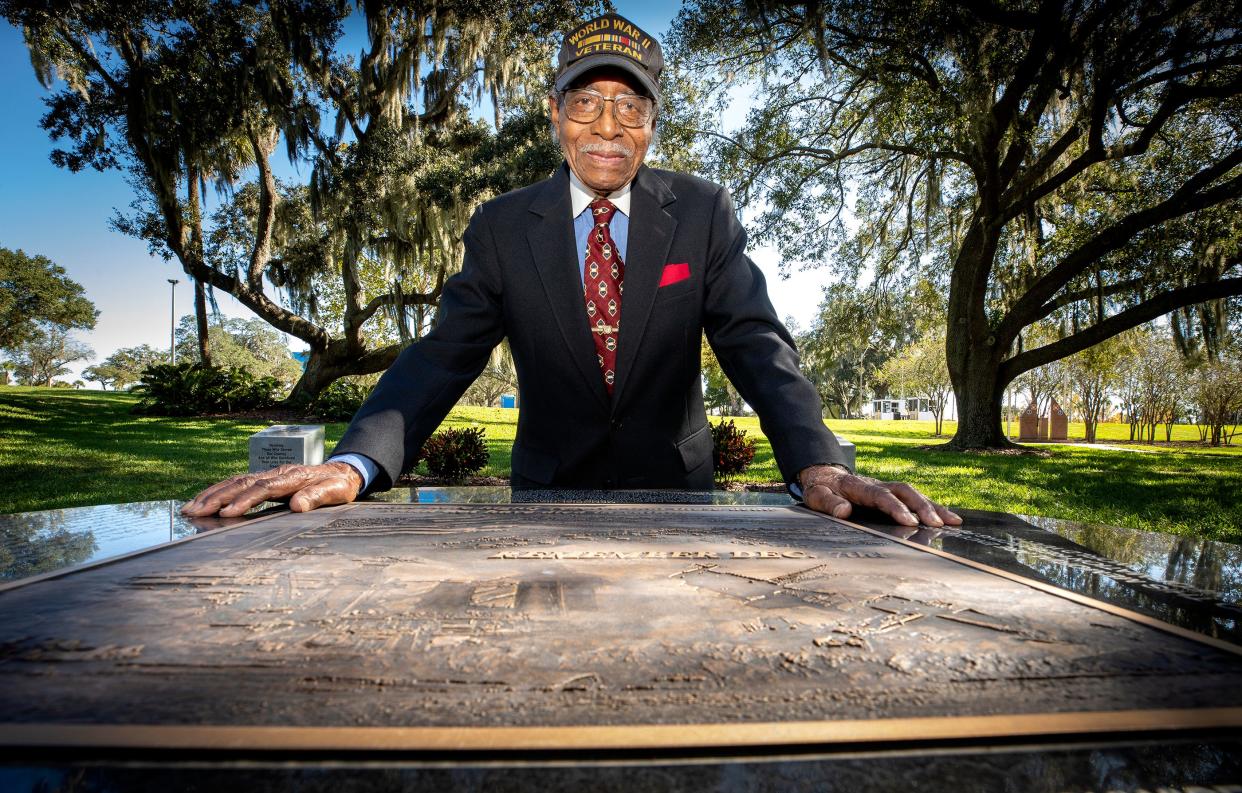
<point x="385" y="615"/>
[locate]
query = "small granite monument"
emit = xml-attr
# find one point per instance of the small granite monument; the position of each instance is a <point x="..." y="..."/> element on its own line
<point x="300" y="444"/>
<point x="849" y="450"/>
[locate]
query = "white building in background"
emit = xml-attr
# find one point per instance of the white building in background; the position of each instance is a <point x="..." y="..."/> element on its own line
<point x="910" y="408"/>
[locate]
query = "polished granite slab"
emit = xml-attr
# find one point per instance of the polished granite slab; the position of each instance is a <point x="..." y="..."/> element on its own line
<point x="1186" y="581"/>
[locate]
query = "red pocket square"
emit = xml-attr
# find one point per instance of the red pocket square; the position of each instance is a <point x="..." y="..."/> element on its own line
<point x="674" y="273"/>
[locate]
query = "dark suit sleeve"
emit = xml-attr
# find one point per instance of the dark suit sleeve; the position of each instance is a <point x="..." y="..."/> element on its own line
<point x="428" y="378"/>
<point x="757" y="353"/>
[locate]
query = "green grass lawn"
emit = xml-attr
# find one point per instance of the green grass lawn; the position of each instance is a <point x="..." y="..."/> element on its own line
<point x="61" y="448"/>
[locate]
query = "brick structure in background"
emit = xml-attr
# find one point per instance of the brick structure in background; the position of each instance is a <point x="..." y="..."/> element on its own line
<point x="1058" y="423"/>
<point x="1028" y="424"/>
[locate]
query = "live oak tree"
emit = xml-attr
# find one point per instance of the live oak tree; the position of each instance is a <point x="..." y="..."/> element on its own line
<point x="498" y="378"/>
<point x="718" y="392"/>
<point x="854" y="332"/>
<point x="46" y="354"/>
<point x="34" y="290"/>
<point x="1078" y="162"/>
<point x="919" y="369"/>
<point x="185" y="93"/>
<point x="124" y="367"/>
<point x="249" y="344"/>
<point x="1092" y="376"/>
<point x="1162" y="377"/>
<point x="1216" y="390"/>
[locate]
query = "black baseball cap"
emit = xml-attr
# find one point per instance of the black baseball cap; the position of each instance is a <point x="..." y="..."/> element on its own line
<point x="610" y="40"/>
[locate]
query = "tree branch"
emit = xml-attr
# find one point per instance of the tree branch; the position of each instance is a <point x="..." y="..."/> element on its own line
<point x="261" y="252"/>
<point x="1188" y="198"/>
<point x="1118" y="323"/>
<point x="995" y="15"/>
<point x="1092" y="293"/>
<point x="389" y="299"/>
<point x="89" y="58"/>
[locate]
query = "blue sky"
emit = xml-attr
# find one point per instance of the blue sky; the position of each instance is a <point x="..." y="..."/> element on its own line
<point x="65" y="216"/>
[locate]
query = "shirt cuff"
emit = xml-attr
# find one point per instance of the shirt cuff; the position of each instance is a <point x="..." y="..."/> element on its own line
<point x="364" y="465"/>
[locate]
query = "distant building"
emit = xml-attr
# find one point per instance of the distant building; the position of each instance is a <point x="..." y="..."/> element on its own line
<point x="910" y="408"/>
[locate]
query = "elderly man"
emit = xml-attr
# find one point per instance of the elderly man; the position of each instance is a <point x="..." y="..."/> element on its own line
<point x="555" y="267"/>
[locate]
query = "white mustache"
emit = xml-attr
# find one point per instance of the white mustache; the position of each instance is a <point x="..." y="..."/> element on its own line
<point x="608" y="147"/>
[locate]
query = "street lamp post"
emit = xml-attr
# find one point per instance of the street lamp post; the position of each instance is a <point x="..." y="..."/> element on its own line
<point x="172" y="319"/>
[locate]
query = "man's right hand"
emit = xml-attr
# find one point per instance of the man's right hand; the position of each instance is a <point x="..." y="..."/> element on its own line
<point x="305" y="487"/>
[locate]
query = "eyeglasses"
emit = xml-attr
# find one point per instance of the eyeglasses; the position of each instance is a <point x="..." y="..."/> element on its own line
<point x="584" y="105"/>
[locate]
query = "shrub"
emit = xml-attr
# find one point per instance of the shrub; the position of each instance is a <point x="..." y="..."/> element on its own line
<point x="455" y="454"/>
<point x="731" y="449"/>
<point x="340" y="400"/>
<point x="195" y="389"/>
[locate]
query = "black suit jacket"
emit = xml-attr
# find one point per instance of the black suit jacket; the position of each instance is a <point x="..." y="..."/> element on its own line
<point x="521" y="279"/>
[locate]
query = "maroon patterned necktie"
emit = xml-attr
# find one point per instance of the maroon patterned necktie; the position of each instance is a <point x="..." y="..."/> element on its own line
<point x="602" y="288"/>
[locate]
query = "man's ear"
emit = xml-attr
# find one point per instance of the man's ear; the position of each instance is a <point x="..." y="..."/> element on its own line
<point x="554" y="111"/>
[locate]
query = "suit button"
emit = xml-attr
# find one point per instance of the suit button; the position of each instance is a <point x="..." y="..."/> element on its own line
<point x="616" y="424"/>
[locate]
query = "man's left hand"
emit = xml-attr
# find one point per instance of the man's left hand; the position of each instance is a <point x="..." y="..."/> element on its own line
<point x="834" y="491"/>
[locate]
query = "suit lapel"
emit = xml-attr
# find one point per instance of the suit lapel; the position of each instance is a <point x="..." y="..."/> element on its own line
<point x="551" y="240"/>
<point x="650" y="236"/>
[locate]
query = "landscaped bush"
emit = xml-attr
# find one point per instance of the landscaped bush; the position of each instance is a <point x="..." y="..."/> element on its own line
<point x="454" y="454"/>
<point x="195" y="389"/>
<point x="732" y="450"/>
<point x="340" y="400"/>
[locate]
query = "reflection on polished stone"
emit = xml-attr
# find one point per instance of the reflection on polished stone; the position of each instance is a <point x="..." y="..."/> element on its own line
<point x="33" y="543"/>
<point x="1187" y="581"/>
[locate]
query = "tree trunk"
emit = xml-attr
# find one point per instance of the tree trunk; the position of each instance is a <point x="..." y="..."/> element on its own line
<point x="973" y="351"/>
<point x="979" y="396"/>
<point x="200" y="319"/>
<point x="196" y="254"/>
<point x="321" y="370"/>
<point x="336" y="361"/>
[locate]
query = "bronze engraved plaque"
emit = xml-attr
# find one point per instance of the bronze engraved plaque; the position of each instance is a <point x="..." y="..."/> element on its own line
<point x="592" y="616"/>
